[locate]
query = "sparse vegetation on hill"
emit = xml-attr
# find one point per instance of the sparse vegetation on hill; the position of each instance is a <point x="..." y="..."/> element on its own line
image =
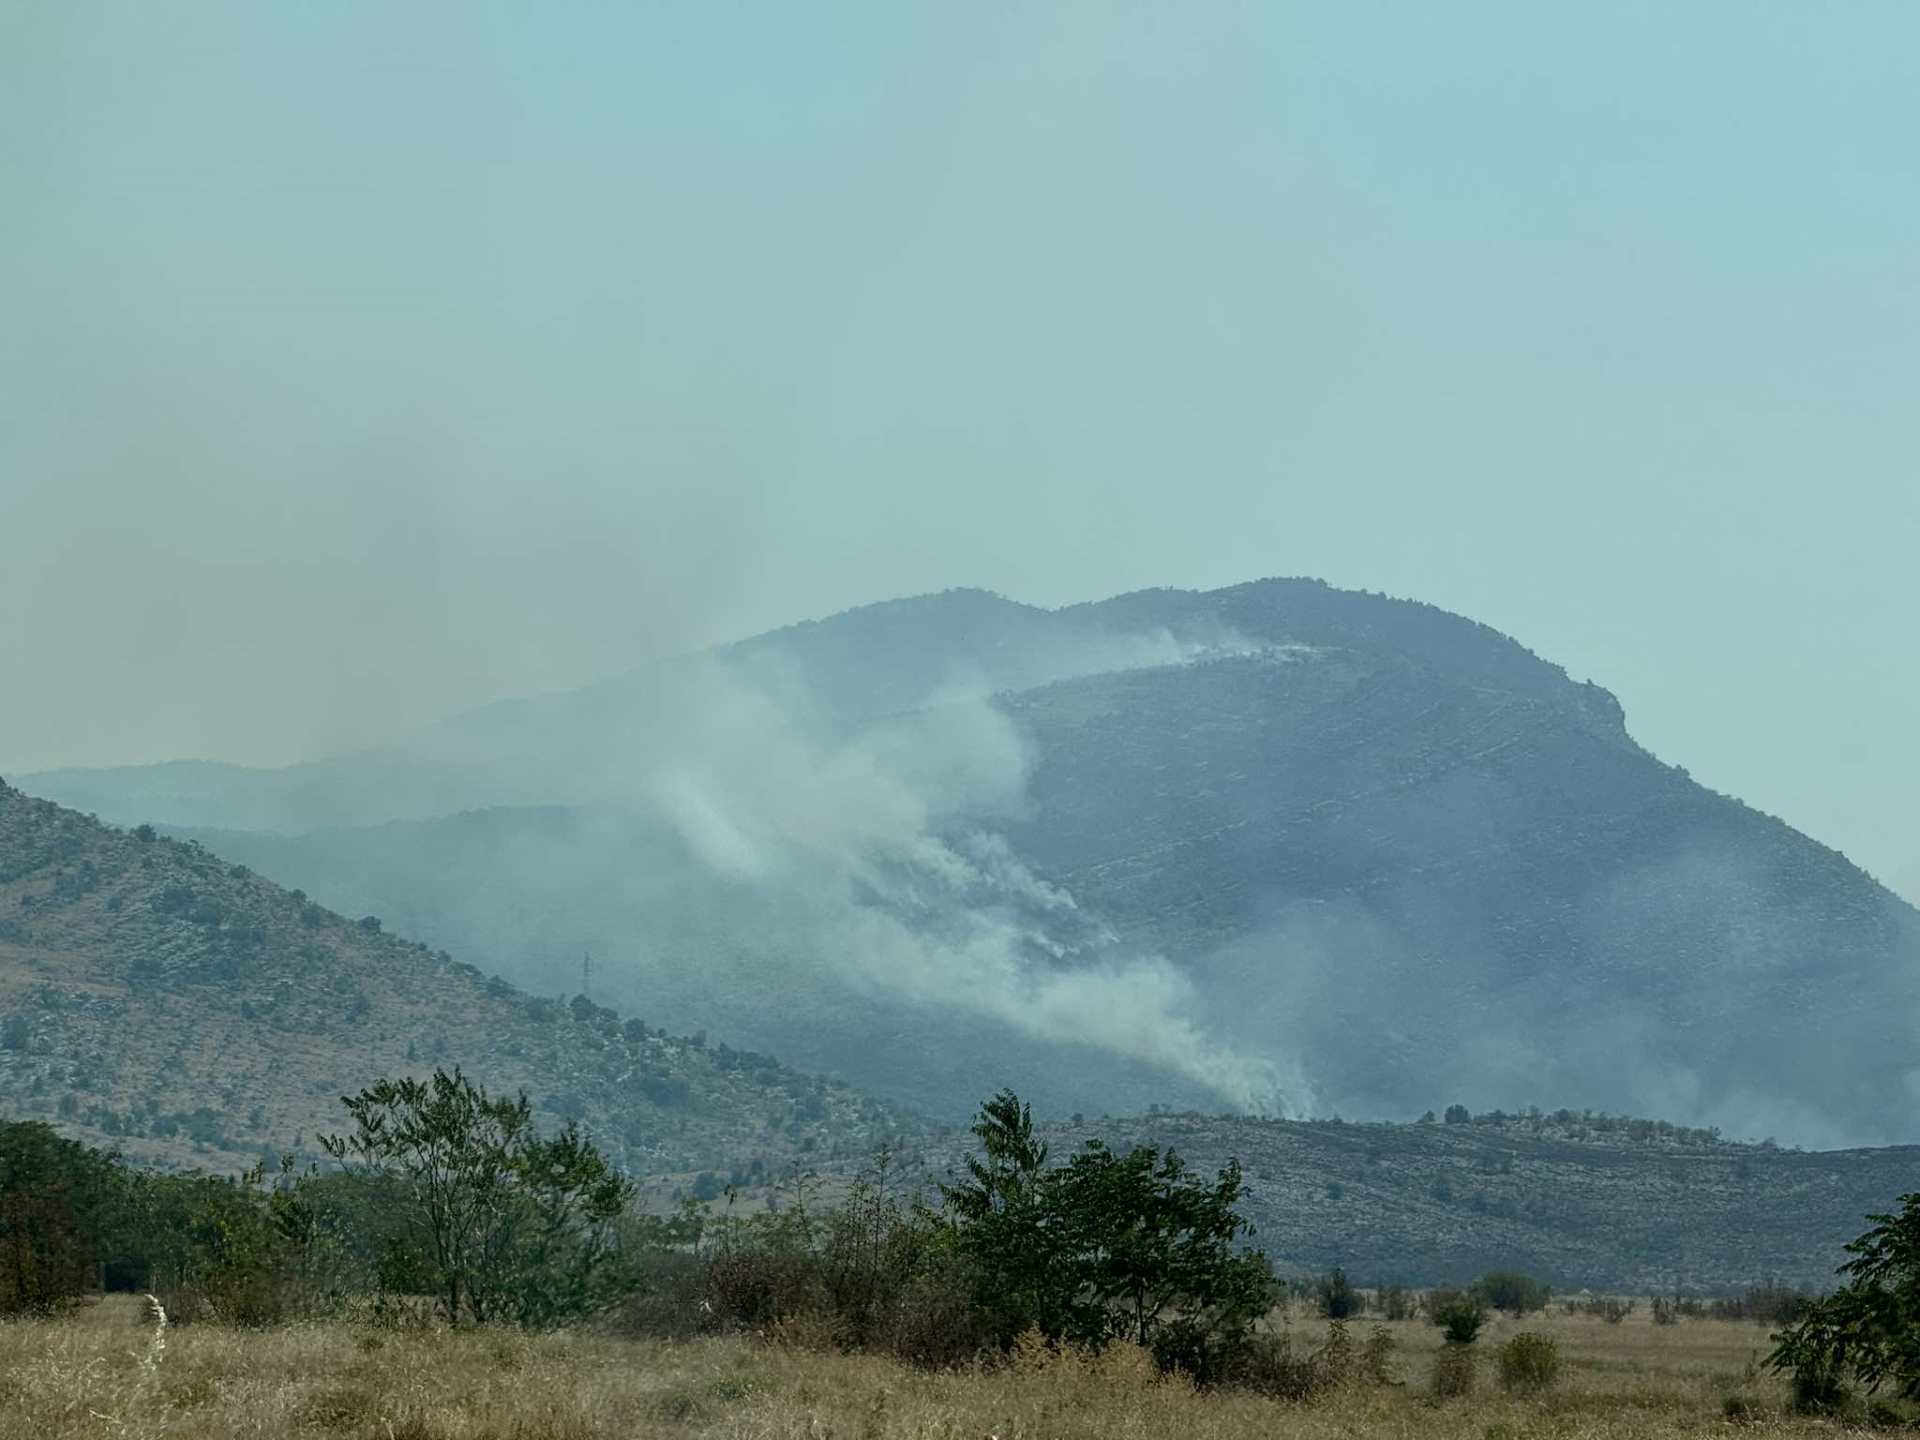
<point x="1628" y="1206"/>
<point x="1392" y="851"/>
<point x="181" y="1009"/>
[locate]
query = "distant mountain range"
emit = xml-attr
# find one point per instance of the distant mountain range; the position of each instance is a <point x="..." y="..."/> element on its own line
<point x="1276" y="847"/>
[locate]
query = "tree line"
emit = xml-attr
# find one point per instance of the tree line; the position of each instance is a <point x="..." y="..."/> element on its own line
<point x="443" y="1199"/>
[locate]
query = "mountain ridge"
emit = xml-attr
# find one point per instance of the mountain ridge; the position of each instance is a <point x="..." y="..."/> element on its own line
<point x="1336" y="850"/>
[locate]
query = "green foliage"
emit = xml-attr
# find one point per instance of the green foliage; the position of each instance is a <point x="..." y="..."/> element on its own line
<point x="214" y="1249"/>
<point x="1107" y="1246"/>
<point x="1459" y="1314"/>
<point x="509" y="1224"/>
<point x="1529" y="1362"/>
<point x="1335" y="1295"/>
<point x="54" y="1196"/>
<point x="1867" y="1331"/>
<point x="1268" y="1364"/>
<point x="1511" y="1291"/>
<point x="1771" y="1303"/>
<point x="1396" y="1302"/>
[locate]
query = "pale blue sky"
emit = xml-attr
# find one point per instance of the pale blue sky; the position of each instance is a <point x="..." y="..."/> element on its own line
<point x="364" y="361"/>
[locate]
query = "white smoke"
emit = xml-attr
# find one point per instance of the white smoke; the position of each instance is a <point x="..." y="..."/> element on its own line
<point x="876" y="852"/>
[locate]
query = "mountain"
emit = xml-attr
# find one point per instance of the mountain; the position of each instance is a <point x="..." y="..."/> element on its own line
<point x="1298" y="849"/>
<point x="180" y="1008"/>
<point x="1619" y="1205"/>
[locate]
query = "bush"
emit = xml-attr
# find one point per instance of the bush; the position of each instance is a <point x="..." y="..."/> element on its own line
<point x="1771" y="1303"/>
<point x="1396" y="1302"/>
<point x="1376" y="1357"/>
<point x="1453" y="1372"/>
<point x="1267" y="1365"/>
<point x="1529" y="1363"/>
<point x="1335" y="1295"/>
<point x="1866" y="1331"/>
<point x="1458" y="1314"/>
<point x="1511" y="1291"/>
<point x="1601" y="1307"/>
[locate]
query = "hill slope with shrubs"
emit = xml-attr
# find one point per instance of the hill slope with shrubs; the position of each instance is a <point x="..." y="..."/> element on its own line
<point x="1580" y="1200"/>
<point x="1360" y="850"/>
<point x="186" y="1012"/>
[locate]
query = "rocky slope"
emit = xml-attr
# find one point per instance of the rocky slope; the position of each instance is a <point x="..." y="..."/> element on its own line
<point x="178" y="1007"/>
<point x="1299" y="849"/>
<point x="1620" y="1206"/>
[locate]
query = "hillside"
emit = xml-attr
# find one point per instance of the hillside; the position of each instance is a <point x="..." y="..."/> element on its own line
<point x="1292" y="848"/>
<point x="182" y="1009"/>
<point x="1620" y="1206"/>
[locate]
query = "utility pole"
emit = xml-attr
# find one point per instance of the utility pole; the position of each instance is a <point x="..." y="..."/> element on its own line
<point x="586" y="973"/>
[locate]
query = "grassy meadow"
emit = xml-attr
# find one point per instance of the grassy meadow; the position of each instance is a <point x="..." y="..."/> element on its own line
<point x="105" y="1370"/>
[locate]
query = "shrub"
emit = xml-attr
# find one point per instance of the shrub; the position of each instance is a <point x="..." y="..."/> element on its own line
<point x="1337" y="1298"/>
<point x="1269" y="1365"/>
<point x="1376" y="1357"/>
<point x="1771" y="1303"/>
<point x="1453" y="1372"/>
<point x="1511" y="1291"/>
<point x="1601" y="1307"/>
<point x="1529" y="1362"/>
<point x="1458" y="1314"/>
<point x="1396" y="1302"/>
<point x="1865" y="1331"/>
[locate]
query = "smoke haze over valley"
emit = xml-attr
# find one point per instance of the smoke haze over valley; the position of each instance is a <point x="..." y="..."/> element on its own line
<point x="769" y="527"/>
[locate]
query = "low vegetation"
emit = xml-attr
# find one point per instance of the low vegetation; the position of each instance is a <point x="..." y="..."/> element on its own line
<point x="455" y="1236"/>
<point x="96" y="1371"/>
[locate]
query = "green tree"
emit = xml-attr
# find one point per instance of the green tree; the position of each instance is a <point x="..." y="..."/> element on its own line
<point x="1458" y="1314"/>
<point x="1106" y="1246"/>
<point x="1511" y="1291"/>
<point x="509" y="1224"/>
<point x="1001" y="1222"/>
<point x="1869" y="1329"/>
<point x="56" y="1197"/>
<point x="1335" y="1294"/>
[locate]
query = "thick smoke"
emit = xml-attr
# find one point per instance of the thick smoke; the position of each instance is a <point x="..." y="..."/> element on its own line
<point x="877" y="854"/>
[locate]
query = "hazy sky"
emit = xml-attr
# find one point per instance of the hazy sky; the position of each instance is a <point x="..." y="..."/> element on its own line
<point x="361" y="362"/>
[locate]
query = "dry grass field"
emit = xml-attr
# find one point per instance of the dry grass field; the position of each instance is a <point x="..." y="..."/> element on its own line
<point x="101" y="1372"/>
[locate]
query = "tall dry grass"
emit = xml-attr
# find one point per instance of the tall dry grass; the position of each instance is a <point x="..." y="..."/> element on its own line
<point x="106" y="1371"/>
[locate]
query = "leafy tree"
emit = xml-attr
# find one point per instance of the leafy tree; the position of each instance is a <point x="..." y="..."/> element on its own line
<point x="1001" y="1218"/>
<point x="509" y="1224"/>
<point x="1869" y="1329"/>
<point x="1458" y="1314"/>
<point x="1107" y="1246"/>
<point x="1335" y="1293"/>
<point x="1511" y="1291"/>
<point x="55" y="1195"/>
